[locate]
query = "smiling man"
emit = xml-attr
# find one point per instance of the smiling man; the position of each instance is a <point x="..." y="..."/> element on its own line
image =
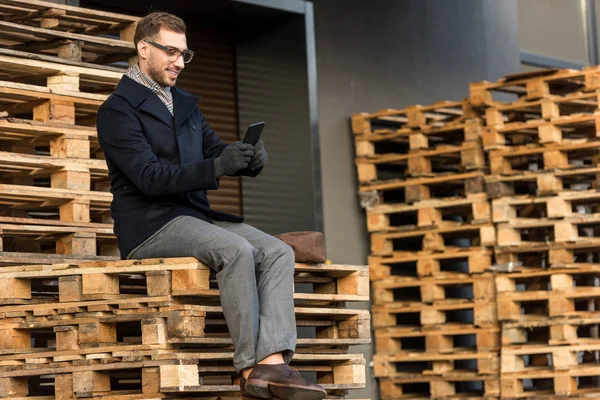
<point x="162" y="158"/>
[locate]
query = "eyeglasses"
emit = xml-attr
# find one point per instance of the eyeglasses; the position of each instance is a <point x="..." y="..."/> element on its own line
<point x="173" y="53"/>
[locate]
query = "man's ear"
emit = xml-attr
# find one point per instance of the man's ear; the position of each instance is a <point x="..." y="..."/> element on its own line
<point x="142" y="48"/>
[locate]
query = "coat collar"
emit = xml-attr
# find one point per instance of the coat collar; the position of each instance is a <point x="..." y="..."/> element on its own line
<point x="143" y="98"/>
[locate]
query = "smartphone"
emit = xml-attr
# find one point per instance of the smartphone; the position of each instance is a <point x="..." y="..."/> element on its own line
<point x="253" y="133"/>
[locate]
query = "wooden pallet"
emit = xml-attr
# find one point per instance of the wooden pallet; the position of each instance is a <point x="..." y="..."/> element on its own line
<point x="552" y="332"/>
<point x="162" y="277"/>
<point x="447" y="338"/>
<point x="568" y="204"/>
<point x="69" y="332"/>
<point x="544" y="158"/>
<point x="69" y="32"/>
<point x="450" y="264"/>
<point x="531" y="357"/>
<point x="428" y="137"/>
<point x="475" y="209"/>
<point x="189" y="372"/>
<point x="418" y="189"/>
<point x="562" y="129"/>
<point x="457" y="386"/>
<point x="549" y="255"/>
<point x="546" y="108"/>
<point x="430" y="290"/>
<point x="547" y="383"/>
<point x="536" y="84"/>
<point x="440" y="114"/>
<point x="454" y="159"/>
<point x="415" y="314"/>
<point x="541" y="183"/>
<point x="447" y="236"/>
<point x="570" y="229"/>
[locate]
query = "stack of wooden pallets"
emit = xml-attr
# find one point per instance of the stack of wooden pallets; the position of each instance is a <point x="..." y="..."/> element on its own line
<point x="544" y="150"/>
<point x="421" y="172"/>
<point x="155" y="329"/>
<point x="74" y="321"/>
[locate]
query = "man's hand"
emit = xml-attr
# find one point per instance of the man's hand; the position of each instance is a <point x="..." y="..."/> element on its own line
<point x="235" y="157"/>
<point x="260" y="156"/>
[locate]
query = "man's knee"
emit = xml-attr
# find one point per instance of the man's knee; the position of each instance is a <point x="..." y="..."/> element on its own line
<point x="279" y="249"/>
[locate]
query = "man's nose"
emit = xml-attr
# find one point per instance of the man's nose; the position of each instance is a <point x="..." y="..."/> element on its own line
<point x="179" y="62"/>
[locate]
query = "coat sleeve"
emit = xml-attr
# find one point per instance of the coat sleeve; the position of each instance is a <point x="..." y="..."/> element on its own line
<point x="121" y="137"/>
<point x="212" y="145"/>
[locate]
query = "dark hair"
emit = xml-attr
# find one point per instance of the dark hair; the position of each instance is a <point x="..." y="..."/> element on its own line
<point x="150" y="25"/>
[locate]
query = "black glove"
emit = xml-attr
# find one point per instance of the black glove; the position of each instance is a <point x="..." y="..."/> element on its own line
<point x="260" y="156"/>
<point x="235" y="157"/>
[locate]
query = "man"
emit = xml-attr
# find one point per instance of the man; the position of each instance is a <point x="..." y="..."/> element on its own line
<point x="162" y="158"/>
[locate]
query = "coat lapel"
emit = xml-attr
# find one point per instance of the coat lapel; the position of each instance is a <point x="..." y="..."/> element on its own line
<point x="183" y="105"/>
<point x="143" y="98"/>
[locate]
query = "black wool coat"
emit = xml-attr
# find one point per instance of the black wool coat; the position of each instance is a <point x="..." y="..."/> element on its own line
<point x="160" y="165"/>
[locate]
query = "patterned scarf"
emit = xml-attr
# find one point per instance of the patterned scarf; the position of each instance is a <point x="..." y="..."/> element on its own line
<point x="163" y="93"/>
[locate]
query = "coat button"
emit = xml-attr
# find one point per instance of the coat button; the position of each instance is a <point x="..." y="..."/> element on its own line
<point x="193" y="126"/>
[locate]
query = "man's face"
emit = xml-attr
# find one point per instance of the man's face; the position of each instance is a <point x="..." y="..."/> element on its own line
<point x="160" y="67"/>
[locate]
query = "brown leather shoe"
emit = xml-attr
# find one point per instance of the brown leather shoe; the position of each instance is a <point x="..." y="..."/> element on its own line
<point x="243" y="390"/>
<point x="282" y="382"/>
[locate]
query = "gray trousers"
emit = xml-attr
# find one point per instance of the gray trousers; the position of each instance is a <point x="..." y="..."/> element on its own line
<point x="255" y="274"/>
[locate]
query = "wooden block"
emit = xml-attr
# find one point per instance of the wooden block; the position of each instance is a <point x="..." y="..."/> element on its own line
<point x="428" y="267"/>
<point x="474" y="185"/>
<point x="565" y="232"/>
<point x="69" y="288"/>
<point x="349" y="374"/>
<point x="431" y="293"/>
<point x="356" y="283"/>
<point x="549" y="109"/>
<point x="503" y="212"/>
<point x="548" y="183"/>
<point x="83" y="243"/>
<point x="13" y="387"/>
<point x="158" y="283"/>
<point x="100" y="284"/>
<point x="491" y="139"/>
<point x="427" y="216"/>
<point x="555" y="159"/>
<point x="181" y="325"/>
<point x="94" y="333"/>
<point x="71" y="51"/>
<point x="558" y="207"/>
<point x="561" y="281"/>
<point x="366" y="172"/>
<point x="150" y="380"/>
<point x="380" y="245"/>
<point x="559" y="306"/>
<point x="360" y="124"/>
<point x="364" y="148"/>
<point x="478" y="94"/>
<point x="511" y="387"/>
<point x="483" y="288"/>
<point x="440" y="367"/>
<point x="439" y="343"/>
<point x="55" y="110"/>
<point x="189" y="281"/>
<point x="70" y="148"/>
<point x="387" y="345"/>
<point x="472" y="158"/>
<point x="479" y="262"/>
<point x="508" y="236"/>
<point x="383" y="319"/>
<point x="442" y="389"/>
<point x="499" y="165"/>
<point x="564" y="358"/>
<point x="432" y="316"/>
<point x="505" y="284"/>
<point x="154" y="331"/>
<point x="511" y="363"/>
<point x="418" y="165"/>
<point x="11" y="338"/>
<point x="178" y="376"/>
<point x="75" y="180"/>
<point x="563" y="333"/>
<point x="67" y="337"/>
<point x="496" y="190"/>
<point x="494" y="118"/>
<point x="487" y="235"/>
<point x="564" y="384"/>
<point x="416" y="117"/>
<point x="14" y="288"/>
<point x="561" y="256"/>
<point x="549" y="133"/>
<point x="418" y="141"/>
<point x="377" y="222"/>
<point x="416" y="193"/>
<point x="508" y="309"/>
<point x="63" y="82"/>
<point x="389" y="389"/>
<point x="473" y="129"/>
<point x="88" y="382"/>
<point x="433" y="241"/>
<point x="537" y="88"/>
<point x="481" y="211"/>
<point x="487" y="340"/>
<point x="513" y="336"/>
<point x="75" y="211"/>
<point x="485" y="314"/>
<point x="63" y="387"/>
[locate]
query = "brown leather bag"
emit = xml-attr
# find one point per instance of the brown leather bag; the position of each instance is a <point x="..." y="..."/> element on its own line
<point x="308" y="246"/>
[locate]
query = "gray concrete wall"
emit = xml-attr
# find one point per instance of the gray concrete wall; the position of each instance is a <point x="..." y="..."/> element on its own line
<point x="381" y="54"/>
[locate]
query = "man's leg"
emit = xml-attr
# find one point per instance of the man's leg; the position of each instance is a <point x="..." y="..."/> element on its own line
<point x="277" y="334"/>
<point x="274" y="263"/>
<point x="232" y="257"/>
